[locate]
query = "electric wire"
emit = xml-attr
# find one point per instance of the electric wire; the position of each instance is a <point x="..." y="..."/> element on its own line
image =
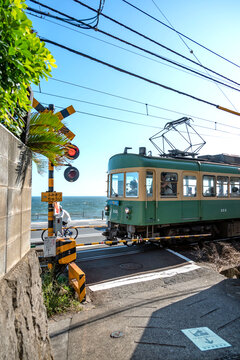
<point x="178" y="32"/>
<point x="191" y="51"/>
<point x="104" y="106"/>
<point x="150" y="52"/>
<point x="141" y="103"/>
<point x="144" y="36"/>
<point x="136" y="112"/>
<point x="130" y="73"/>
<point x="128" y="50"/>
<point x="140" y="124"/>
<point x="133" y="45"/>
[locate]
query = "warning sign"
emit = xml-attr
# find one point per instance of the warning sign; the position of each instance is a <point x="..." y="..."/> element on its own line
<point x="205" y="339"/>
<point x="51" y="197"/>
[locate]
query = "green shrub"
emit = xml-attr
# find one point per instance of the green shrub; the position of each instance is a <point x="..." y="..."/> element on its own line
<point x="58" y="296"/>
<point x="24" y="59"/>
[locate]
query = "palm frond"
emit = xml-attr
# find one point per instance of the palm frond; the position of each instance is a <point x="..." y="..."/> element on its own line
<point x="46" y="141"/>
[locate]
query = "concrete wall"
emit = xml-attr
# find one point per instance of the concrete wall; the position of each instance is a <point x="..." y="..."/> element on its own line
<point x="15" y="200"/>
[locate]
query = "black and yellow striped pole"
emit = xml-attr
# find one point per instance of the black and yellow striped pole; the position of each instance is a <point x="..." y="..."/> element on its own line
<point x="50" y="205"/>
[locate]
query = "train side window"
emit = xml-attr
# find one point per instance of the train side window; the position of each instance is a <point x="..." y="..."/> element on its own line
<point x="222" y="186"/>
<point x="209" y="183"/>
<point x="169" y="184"/>
<point x="235" y="186"/>
<point x="149" y="183"/>
<point x="132" y="184"/>
<point x="189" y="186"/>
<point x="117" y="185"/>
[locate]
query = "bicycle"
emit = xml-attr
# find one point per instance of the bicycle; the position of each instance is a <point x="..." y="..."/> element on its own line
<point x="70" y="232"/>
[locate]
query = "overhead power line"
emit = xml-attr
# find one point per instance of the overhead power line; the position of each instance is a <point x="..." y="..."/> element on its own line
<point x="136" y="75"/>
<point x="138" y="113"/>
<point x="216" y="123"/>
<point x="178" y="32"/>
<point x="138" y="124"/>
<point x="131" y="44"/>
<point x="191" y="51"/>
<point x="145" y="37"/>
<point x="39" y="16"/>
<point x="138" y="102"/>
<point x="104" y="106"/>
<point x="125" y="71"/>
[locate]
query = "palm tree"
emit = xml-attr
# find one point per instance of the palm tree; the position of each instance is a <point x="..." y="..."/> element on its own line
<point x="46" y="141"/>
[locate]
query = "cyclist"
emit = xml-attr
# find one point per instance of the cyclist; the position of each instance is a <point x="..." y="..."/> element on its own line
<point x="66" y="218"/>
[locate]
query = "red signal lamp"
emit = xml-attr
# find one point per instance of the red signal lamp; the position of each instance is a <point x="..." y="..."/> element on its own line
<point x="71" y="174"/>
<point x="72" y="152"/>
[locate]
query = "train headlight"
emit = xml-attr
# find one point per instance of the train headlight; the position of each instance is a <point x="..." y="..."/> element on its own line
<point x="127" y="210"/>
<point x="106" y="208"/>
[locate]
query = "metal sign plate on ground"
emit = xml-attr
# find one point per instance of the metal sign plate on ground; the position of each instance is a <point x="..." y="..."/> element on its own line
<point x="50" y="246"/>
<point x="205" y="339"/>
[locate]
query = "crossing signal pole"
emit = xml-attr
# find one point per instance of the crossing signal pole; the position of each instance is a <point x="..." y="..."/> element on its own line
<point x="62" y="251"/>
<point x="71" y="173"/>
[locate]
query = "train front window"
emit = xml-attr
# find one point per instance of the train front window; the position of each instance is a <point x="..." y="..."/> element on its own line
<point x="235" y="187"/>
<point x="132" y="184"/>
<point x="189" y="186"/>
<point x="209" y="186"/>
<point x="222" y="186"/>
<point x="149" y="183"/>
<point x="108" y="186"/>
<point x="117" y="185"/>
<point x="169" y="184"/>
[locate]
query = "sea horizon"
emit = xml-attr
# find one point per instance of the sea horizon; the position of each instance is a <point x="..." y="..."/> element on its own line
<point x="79" y="207"/>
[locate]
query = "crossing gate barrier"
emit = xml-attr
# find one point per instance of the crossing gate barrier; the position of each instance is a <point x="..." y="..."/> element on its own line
<point x="77" y="280"/>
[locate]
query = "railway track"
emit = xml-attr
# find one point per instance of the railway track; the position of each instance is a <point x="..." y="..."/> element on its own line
<point x="99" y="251"/>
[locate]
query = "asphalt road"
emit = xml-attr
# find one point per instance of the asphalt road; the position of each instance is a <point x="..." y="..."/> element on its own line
<point x="87" y="235"/>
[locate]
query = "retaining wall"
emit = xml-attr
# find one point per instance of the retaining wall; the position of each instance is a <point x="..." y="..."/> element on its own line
<point x="23" y="319"/>
<point x="15" y="200"/>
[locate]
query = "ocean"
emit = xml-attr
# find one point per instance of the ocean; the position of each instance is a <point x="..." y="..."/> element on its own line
<point x="79" y="207"/>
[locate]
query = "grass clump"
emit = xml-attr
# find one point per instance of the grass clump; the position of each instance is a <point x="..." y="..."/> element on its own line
<point x="58" y="296"/>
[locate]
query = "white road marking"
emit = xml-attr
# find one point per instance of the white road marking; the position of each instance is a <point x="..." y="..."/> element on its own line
<point x="144" y="277"/>
<point x="90" y="235"/>
<point x="181" y="256"/>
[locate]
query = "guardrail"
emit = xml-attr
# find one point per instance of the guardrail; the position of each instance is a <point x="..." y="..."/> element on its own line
<point x="75" y="227"/>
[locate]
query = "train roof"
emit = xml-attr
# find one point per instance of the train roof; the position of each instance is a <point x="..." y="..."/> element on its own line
<point x="208" y="163"/>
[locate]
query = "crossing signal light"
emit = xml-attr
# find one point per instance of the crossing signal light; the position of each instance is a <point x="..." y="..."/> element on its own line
<point x="71" y="174"/>
<point x="72" y="152"/>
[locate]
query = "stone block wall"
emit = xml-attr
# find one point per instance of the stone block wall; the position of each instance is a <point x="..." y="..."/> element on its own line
<point x="23" y="319"/>
<point x="15" y="200"/>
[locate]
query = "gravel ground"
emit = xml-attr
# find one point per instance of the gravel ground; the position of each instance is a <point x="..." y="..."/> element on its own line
<point x="223" y="257"/>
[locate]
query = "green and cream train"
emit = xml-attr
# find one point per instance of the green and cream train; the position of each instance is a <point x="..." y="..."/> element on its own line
<point x="166" y="196"/>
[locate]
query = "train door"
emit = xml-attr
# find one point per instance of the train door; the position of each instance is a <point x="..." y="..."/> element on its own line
<point x="190" y="196"/>
<point x="150" y="208"/>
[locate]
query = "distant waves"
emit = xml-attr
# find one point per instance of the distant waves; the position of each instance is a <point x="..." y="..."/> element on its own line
<point x="79" y="207"/>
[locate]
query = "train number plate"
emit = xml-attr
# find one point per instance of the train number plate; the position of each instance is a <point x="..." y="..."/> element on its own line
<point x="113" y="202"/>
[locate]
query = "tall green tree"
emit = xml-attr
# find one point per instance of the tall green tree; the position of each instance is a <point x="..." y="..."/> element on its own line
<point x="24" y="59"/>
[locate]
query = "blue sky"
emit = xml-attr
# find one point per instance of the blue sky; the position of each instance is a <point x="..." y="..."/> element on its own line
<point x="215" y="24"/>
